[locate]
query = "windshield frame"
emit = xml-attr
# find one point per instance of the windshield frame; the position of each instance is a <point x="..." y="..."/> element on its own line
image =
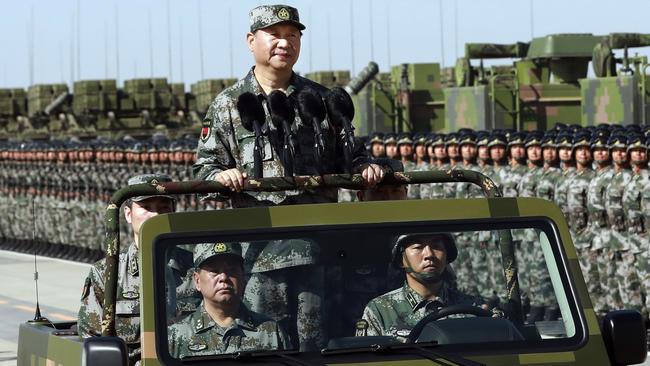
<point x="164" y="240"/>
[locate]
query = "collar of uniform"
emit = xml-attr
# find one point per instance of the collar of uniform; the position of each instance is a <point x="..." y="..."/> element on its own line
<point x="294" y="83"/>
<point x="416" y="301"/>
<point x="132" y="260"/>
<point x="202" y="321"/>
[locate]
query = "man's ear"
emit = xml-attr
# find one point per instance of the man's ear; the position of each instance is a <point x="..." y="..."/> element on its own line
<point x="127" y="213"/>
<point x="250" y="39"/>
<point x="196" y="280"/>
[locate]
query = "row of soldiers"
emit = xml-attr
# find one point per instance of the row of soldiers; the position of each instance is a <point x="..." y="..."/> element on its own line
<point x="54" y="193"/>
<point x="598" y="176"/>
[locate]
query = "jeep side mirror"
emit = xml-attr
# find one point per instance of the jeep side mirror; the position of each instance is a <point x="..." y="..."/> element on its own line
<point x="624" y="334"/>
<point x="104" y="351"/>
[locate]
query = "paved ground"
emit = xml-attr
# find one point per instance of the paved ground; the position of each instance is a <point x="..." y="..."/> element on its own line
<point x="59" y="285"/>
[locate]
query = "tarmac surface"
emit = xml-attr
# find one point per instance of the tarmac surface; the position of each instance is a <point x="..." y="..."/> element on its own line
<point x="59" y="283"/>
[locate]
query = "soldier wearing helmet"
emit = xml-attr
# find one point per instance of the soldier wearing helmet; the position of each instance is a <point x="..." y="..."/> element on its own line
<point x="429" y="286"/>
<point x="222" y="323"/>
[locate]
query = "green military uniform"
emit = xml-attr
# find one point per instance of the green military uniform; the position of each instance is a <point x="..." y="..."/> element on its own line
<point x="396" y="312"/>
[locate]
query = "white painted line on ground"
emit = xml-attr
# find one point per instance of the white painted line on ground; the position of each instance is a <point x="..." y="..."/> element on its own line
<point x="31" y="256"/>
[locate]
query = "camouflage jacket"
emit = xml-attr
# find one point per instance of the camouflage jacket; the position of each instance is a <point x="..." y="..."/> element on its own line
<point x="545" y="187"/>
<point x="577" y="201"/>
<point x="561" y="189"/>
<point x="199" y="335"/>
<point x="616" y="215"/>
<point x="528" y="183"/>
<point x="226" y="144"/>
<point x="596" y="197"/>
<point x="632" y="205"/>
<point x="395" y="313"/>
<point x="127" y="307"/>
<point x="469" y="190"/>
<point x="414" y="190"/>
<point x="278" y="254"/>
<point x="511" y="177"/>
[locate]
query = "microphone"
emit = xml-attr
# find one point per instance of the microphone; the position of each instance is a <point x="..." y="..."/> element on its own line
<point x="311" y="108"/>
<point x="341" y="112"/>
<point x="282" y="116"/>
<point x="253" y="117"/>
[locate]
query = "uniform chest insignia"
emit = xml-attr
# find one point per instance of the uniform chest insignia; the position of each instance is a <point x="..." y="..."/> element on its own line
<point x="403" y="332"/>
<point x="196" y="347"/>
<point x="130" y="295"/>
<point x="199" y="324"/>
<point x="205" y="133"/>
<point x="361" y="328"/>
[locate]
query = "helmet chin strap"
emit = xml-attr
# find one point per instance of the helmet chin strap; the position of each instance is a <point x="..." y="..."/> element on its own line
<point x="425" y="278"/>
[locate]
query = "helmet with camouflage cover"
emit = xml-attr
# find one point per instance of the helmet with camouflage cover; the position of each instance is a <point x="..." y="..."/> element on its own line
<point x="152" y="179"/>
<point x="403" y="241"/>
<point x="205" y="251"/>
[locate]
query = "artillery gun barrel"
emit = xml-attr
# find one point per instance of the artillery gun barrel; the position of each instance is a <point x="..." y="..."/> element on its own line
<point x="623" y="40"/>
<point x="355" y="85"/>
<point x="494" y="50"/>
<point x="56" y="102"/>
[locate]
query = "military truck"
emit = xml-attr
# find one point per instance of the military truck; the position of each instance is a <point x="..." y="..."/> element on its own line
<point x="353" y="243"/>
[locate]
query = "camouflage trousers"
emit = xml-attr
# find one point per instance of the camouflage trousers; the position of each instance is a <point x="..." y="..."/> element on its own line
<point x="643" y="271"/>
<point x="540" y="288"/>
<point x="465" y="274"/>
<point x="621" y="280"/>
<point x="588" y="260"/>
<point x="479" y="261"/>
<point x="293" y="297"/>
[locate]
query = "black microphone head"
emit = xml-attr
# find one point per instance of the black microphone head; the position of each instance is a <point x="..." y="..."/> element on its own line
<point x="339" y="106"/>
<point x="250" y="109"/>
<point x="281" y="109"/>
<point x="310" y="105"/>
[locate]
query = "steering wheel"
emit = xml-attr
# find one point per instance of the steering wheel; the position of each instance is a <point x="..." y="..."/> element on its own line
<point x="444" y="312"/>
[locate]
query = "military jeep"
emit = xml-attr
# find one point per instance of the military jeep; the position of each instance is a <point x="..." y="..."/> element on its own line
<point x="351" y="244"/>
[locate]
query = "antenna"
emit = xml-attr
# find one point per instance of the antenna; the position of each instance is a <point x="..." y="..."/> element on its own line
<point x="150" y="45"/>
<point x="117" y="46"/>
<point x="532" y="21"/>
<point x="180" y="46"/>
<point x="106" y="48"/>
<point x="232" y="73"/>
<point x="352" y="36"/>
<point x="78" y="39"/>
<point x="200" y="23"/>
<point x="372" y="33"/>
<point x="442" y="36"/>
<point x="388" y="34"/>
<point x="329" y="43"/>
<point x="72" y="50"/>
<point x="37" y="316"/>
<point x="455" y="29"/>
<point x="61" y="62"/>
<point x="169" y="42"/>
<point x="311" y="58"/>
<point x="31" y="45"/>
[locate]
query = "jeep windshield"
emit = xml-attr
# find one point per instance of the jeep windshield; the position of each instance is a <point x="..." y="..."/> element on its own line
<point x="330" y="289"/>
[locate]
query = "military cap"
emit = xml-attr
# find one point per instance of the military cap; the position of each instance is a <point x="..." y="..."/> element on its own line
<point x="497" y="139"/>
<point x="376" y="137"/>
<point x="205" y="251"/>
<point x="389" y="165"/>
<point x="598" y="141"/>
<point x="438" y="140"/>
<point x="548" y="140"/>
<point x="533" y="139"/>
<point x="152" y="179"/>
<point x="559" y="127"/>
<point x="575" y="128"/>
<point x="419" y="139"/>
<point x="617" y="140"/>
<point x="176" y="146"/>
<point x="582" y="138"/>
<point x="404" y="138"/>
<point x="646" y="130"/>
<point x="516" y="138"/>
<point x="482" y="138"/>
<point x="564" y="140"/>
<point x="267" y="15"/>
<point x="468" y="137"/>
<point x="405" y="240"/>
<point x="633" y="129"/>
<point x="465" y="130"/>
<point x="429" y="138"/>
<point x="390" y="138"/>
<point x="451" y="139"/>
<point x="636" y="141"/>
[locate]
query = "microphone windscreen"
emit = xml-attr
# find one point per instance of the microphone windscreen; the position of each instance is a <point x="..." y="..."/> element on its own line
<point x="339" y="105"/>
<point x="281" y="108"/>
<point x="310" y="105"/>
<point x="250" y="109"/>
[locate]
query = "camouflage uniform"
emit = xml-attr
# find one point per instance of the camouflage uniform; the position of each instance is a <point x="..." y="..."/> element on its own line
<point x="396" y="312"/>
<point x="199" y="335"/>
<point x="127" y="308"/>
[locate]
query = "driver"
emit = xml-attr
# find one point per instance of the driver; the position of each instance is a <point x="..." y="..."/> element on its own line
<point x="222" y="324"/>
<point x="429" y="286"/>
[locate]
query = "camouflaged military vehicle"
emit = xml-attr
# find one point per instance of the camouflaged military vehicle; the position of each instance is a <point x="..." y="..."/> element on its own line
<point x="353" y="243"/>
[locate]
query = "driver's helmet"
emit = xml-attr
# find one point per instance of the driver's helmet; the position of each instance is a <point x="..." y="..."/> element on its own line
<point x="404" y="240"/>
